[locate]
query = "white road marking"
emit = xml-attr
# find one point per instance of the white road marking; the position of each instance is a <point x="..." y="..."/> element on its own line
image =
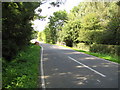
<point x="87" y="67"/>
<point x="91" y="55"/>
<point x="42" y="72"/>
<point x="98" y="80"/>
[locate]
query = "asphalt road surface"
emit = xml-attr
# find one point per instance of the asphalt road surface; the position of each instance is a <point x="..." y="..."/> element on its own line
<point x="65" y="68"/>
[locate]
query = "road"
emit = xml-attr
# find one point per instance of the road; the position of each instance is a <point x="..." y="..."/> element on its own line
<point x="65" y="68"/>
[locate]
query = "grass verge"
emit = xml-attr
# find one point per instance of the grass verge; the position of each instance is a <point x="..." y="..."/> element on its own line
<point x="106" y="56"/>
<point x="23" y="71"/>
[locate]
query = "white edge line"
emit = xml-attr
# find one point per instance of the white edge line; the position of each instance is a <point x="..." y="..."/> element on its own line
<point x="87" y="67"/>
<point x="42" y="72"/>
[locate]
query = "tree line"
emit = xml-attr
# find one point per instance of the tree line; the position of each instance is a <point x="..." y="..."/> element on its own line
<point x="88" y="23"/>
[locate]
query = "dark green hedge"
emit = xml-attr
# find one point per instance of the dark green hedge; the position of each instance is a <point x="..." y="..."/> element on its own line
<point x="111" y="49"/>
<point x="100" y="48"/>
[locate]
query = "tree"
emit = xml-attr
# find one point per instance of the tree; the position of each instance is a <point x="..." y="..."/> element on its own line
<point x="97" y="18"/>
<point x="16" y="26"/>
<point x="55" y="24"/>
<point x="70" y="31"/>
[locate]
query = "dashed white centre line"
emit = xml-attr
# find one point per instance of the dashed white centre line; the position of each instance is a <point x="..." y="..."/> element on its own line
<point x="42" y="72"/>
<point x="87" y="67"/>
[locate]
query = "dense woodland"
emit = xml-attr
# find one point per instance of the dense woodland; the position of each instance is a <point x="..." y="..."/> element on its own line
<point x="93" y="24"/>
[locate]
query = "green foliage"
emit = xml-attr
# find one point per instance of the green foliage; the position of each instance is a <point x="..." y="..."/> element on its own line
<point x="118" y="3"/>
<point x="90" y="22"/>
<point x="100" y="48"/>
<point x="48" y="36"/>
<point x="90" y="36"/>
<point x="54" y="27"/>
<point x="69" y="33"/>
<point x="41" y="36"/>
<point x="56" y="23"/>
<point x="111" y="49"/>
<point x="16" y="26"/>
<point x="23" y="71"/>
<point x="112" y="34"/>
<point x="83" y="46"/>
<point x="34" y="34"/>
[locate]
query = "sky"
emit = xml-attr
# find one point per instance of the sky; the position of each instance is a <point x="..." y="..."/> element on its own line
<point x="40" y="25"/>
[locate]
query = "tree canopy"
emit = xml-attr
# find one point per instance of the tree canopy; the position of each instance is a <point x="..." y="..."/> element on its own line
<point x="89" y="22"/>
<point x="55" y="26"/>
<point x="16" y="26"/>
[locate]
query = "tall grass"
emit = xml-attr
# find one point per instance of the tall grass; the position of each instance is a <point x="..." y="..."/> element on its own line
<point x="23" y="71"/>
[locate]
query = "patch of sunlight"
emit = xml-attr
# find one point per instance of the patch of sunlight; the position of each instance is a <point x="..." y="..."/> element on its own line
<point x="69" y="73"/>
<point x="98" y="80"/>
<point x="80" y="83"/>
<point x="94" y="66"/>
<point x="106" y="65"/>
<point x="107" y="57"/>
<point x="82" y="78"/>
<point x="62" y="73"/>
<point x="45" y="54"/>
<point x="77" y="75"/>
<point x="45" y="77"/>
<point x="54" y="47"/>
<point x="76" y="53"/>
<point x="90" y="58"/>
<point x="101" y="65"/>
<point x="48" y="83"/>
<point x="45" y="59"/>
<point x="79" y="66"/>
<point x="56" y="69"/>
<point x="61" y="47"/>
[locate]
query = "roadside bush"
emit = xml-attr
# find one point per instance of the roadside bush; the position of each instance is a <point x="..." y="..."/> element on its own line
<point x="83" y="46"/>
<point x="111" y="49"/>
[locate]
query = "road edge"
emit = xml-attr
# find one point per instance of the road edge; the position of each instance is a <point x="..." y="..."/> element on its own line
<point x="42" y="71"/>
